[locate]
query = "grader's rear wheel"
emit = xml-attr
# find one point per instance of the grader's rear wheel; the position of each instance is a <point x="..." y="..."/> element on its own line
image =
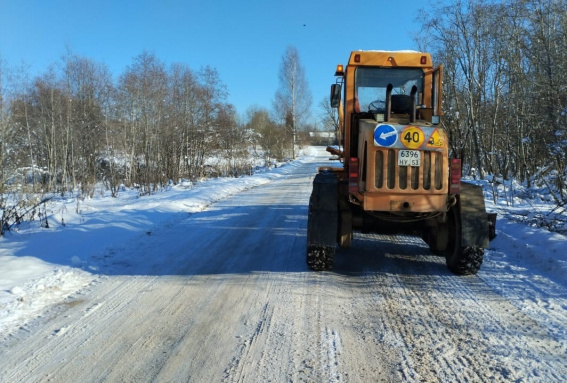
<point x="322" y="222"/>
<point x="460" y="260"/>
<point x="320" y="258"/>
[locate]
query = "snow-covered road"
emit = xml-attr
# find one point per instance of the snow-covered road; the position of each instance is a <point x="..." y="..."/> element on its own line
<point x="224" y="296"/>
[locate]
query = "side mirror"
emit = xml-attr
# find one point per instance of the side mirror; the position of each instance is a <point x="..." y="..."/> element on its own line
<point x="335" y="95"/>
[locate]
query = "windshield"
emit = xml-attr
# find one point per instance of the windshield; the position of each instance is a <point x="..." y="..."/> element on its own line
<point x="371" y="84"/>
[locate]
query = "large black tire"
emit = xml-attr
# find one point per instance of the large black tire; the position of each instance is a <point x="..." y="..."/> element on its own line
<point x="322" y="222"/>
<point x="320" y="258"/>
<point x="467" y="261"/>
<point x="460" y="260"/>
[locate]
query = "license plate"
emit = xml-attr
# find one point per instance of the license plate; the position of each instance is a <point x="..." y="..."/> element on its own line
<point x="409" y="158"/>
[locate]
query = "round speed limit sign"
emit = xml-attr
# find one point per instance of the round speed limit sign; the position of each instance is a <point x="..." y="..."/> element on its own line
<point x="412" y="137"/>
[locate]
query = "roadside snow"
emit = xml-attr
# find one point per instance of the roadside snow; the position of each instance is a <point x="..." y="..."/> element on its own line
<point x="522" y="238"/>
<point x="41" y="267"/>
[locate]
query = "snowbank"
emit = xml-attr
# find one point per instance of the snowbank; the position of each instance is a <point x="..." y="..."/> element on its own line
<point x="40" y="267"/>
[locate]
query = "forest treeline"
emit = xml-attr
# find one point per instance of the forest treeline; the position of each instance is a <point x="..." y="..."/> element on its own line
<point x="505" y="86"/>
<point x="73" y="128"/>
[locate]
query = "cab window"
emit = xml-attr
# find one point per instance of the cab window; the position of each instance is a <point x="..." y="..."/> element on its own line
<point x="371" y="84"/>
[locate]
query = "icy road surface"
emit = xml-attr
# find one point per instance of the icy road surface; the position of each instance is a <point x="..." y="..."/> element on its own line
<point x="226" y="297"/>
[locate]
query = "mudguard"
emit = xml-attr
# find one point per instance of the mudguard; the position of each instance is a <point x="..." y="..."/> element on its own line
<point x="322" y="223"/>
<point x="475" y="222"/>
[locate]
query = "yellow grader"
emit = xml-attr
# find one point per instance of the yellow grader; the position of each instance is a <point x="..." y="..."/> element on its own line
<point x="396" y="176"/>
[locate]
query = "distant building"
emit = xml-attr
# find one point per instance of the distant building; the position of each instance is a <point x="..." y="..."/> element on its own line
<point x="322" y="138"/>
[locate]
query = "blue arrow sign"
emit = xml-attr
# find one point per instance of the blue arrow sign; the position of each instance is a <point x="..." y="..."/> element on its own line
<point x="385" y="135"/>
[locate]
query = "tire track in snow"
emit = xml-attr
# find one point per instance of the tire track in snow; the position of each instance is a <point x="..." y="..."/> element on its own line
<point x="332" y="347"/>
<point x="246" y="354"/>
<point x="444" y="326"/>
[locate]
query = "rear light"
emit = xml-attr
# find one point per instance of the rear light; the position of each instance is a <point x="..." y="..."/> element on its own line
<point x="455" y="176"/>
<point x="353" y="175"/>
<point x="357" y="58"/>
<point x="423" y="60"/>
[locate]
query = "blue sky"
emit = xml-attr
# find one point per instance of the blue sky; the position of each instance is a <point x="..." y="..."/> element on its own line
<point x="243" y="40"/>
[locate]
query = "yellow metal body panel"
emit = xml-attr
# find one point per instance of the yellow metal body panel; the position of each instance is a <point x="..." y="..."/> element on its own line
<point x="391" y="202"/>
<point x="396" y="197"/>
<point x="409" y="59"/>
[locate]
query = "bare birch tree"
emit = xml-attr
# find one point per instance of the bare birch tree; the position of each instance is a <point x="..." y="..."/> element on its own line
<point x="293" y="98"/>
